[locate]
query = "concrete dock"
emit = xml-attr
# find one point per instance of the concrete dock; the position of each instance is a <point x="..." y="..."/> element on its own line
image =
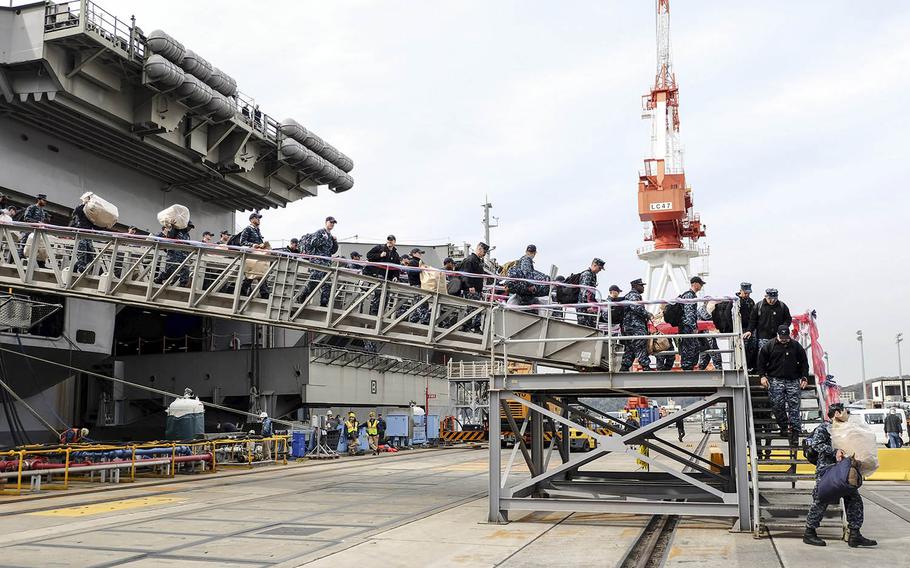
<point x="418" y="508"/>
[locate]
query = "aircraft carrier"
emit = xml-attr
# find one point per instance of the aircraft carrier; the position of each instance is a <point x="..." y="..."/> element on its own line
<point x="90" y="101"/>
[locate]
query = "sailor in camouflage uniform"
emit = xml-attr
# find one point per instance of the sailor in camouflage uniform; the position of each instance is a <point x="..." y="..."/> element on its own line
<point x="635" y="322"/>
<point x="784" y="368"/>
<point x="251" y="236"/>
<point x="587" y="281"/>
<point x="174" y="257"/>
<point x="853" y="503"/>
<point x="708" y="344"/>
<point x="85" y="251"/>
<point x="34" y="213"/>
<point x="524" y="293"/>
<point x="322" y="244"/>
<point x="690" y="348"/>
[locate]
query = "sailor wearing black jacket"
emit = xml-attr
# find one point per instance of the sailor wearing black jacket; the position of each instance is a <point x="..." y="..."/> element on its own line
<point x="472" y="287"/>
<point x="746" y="306"/>
<point x="382" y="253"/>
<point x="783" y="368"/>
<point x="416" y="258"/>
<point x="766" y="317"/>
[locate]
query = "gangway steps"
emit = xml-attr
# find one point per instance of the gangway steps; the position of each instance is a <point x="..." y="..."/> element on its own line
<point x="784" y="494"/>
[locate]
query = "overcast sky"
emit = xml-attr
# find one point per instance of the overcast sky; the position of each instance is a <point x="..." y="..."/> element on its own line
<point x="792" y="121"/>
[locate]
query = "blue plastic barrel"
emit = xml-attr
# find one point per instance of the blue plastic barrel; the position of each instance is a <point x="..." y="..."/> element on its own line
<point x="298" y="444"/>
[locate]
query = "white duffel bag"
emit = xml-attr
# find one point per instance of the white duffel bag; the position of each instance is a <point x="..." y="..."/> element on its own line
<point x="40" y="249"/>
<point x="857" y="440"/>
<point x="100" y="211"/>
<point x="174" y="216"/>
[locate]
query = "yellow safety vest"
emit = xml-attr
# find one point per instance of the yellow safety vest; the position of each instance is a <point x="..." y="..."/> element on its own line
<point x="372" y="427"/>
<point x="352" y="426"/>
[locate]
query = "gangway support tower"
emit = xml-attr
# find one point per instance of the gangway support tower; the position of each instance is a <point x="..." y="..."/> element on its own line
<point x="678" y="481"/>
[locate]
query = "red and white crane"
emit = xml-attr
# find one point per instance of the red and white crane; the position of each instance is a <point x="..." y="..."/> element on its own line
<point x="664" y="198"/>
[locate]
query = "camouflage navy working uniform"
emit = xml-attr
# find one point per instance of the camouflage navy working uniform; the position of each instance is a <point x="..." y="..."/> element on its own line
<point x="635" y="322"/>
<point x="709" y="344"/>
<point x="853" y="503"/>
<point x="173" y="258"/>
<point x="249" y="237"/>
<point x="85" y="251"/>
<point x="689" y="348"/>
<point x="525" y="266"/>
<point x="585" y="296"/>
<point x="784" y="365"/>
<point x="33" y="214"/>
<point x="320" y="243"/>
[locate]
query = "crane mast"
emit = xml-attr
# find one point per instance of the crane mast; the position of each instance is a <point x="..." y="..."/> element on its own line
<point x="664" y="197"/>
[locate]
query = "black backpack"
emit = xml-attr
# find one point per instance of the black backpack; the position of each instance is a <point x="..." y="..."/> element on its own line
<point x="234" y="241"/>
<point x="567" y="294"/>
<point x="673" y="315"/>
<point x="809" y="452"/>
<point x="617" y="313"/>
<point x="723" y="317"/>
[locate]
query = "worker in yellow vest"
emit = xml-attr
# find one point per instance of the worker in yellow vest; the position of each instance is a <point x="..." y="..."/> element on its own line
<point x="352" y="429"/>
<point x="373" y="433"/>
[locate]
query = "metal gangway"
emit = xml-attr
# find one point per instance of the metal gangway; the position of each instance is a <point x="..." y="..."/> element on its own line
<point x="230" y="282"/>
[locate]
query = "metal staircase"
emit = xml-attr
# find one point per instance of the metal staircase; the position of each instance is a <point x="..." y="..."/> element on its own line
<point x="785" y="478"/>
<point x="135" y="270"/>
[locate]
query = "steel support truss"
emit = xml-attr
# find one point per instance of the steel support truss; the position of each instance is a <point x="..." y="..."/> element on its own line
<point x="271" y="288"/>
<point x="677" y="481"/>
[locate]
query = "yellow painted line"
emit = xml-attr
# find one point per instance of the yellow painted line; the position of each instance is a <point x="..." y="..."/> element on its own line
<point x="109" y="507"/>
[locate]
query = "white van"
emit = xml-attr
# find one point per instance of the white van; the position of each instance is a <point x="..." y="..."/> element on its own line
<point x="875" y="418"/>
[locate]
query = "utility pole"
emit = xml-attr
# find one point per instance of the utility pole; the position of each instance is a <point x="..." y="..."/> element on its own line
<point x="900" y="370"/>
<point x="487" y="224"/>
<point x="862" y="360"/>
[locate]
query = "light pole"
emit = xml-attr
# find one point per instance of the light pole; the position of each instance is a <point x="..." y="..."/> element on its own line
<point x="827" y="364"/>
<point x="900" y="370"/>
<point x="862" y="360"/>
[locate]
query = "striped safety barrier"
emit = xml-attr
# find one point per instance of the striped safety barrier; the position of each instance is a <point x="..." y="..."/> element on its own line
<point x="464" y="436"/>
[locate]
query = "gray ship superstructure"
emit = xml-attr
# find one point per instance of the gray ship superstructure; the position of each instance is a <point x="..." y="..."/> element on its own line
<point x="90" y="102"/>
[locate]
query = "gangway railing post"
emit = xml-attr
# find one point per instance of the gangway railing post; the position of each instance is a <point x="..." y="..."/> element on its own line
<point x="610" y="340"/>
<point x="741" y="366"/>
<point x="496" y="515"/>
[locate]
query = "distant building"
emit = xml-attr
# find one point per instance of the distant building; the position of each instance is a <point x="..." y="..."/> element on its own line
<point x="880" y="389"/>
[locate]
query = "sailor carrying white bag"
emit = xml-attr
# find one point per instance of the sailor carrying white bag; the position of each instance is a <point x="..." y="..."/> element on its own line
<point x="174" y="216"/>
<point x="857" y="440"/>
<point x="100" y="212"/>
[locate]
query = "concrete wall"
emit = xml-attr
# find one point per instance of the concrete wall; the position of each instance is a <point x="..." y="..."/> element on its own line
<point x="30" y="167"/>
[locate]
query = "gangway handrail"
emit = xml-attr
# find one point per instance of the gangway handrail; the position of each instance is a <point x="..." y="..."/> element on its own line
<point x="219" y="281"/>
